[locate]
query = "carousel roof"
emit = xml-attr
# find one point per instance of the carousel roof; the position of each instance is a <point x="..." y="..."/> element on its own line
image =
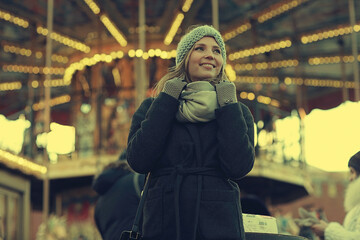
<point x="287" y="51"/>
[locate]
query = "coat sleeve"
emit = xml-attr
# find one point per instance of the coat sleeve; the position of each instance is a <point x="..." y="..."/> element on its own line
<point x="149" y="129"/>
<point x="236" y="139"/>
<point x="336" y="231"/>
<point x="350" y="231"/>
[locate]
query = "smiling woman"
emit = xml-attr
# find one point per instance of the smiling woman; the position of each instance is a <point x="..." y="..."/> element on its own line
<point x="205" y="60"/>
<point x="205" y="140"/>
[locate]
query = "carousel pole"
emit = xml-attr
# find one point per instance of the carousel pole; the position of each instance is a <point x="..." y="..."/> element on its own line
<point x="47" y="89"/>
<point x="215" y="13"/>
<point x="31" y="95"/>
<point x="345" y="90"/>
<point x="354" y="49"/>
<point x="141" y="80"/>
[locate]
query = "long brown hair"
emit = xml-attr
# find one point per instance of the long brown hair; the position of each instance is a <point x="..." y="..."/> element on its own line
<point x="181" y="71"/>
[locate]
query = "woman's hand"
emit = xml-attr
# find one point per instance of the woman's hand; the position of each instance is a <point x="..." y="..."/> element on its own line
<point x="226" y="93"/>
<point x="173" y="87"/>
<point x="319" y="228"/>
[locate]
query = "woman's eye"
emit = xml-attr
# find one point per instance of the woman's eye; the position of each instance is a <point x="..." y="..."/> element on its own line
<point x="199" y="48"/>
<point x="217" y="51"/>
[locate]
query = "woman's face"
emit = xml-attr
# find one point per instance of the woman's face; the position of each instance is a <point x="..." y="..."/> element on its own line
<point x="353" y="174"/>
<point x="205" y="60"/>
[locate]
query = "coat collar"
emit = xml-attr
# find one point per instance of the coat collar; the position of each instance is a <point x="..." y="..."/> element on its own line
<point x="352" y="196"/>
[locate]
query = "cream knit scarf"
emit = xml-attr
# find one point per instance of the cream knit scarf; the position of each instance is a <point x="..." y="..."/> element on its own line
<point x="198" y="102"/>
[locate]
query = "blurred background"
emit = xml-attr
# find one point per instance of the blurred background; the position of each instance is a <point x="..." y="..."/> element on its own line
<point x="73" y="72"/>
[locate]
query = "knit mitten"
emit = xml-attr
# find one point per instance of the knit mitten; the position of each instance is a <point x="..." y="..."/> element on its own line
<point x="173" y="87"/>
<point x="226" y="93"/>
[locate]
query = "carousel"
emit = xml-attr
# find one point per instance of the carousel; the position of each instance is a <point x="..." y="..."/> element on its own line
<point x="73" y="72"/>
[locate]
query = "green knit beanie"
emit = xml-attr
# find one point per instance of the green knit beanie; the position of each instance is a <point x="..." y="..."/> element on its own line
<point x="189" y="39"/>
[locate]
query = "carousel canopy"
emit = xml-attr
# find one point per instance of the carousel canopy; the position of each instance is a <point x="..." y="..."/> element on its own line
<point x="285" y="54"/>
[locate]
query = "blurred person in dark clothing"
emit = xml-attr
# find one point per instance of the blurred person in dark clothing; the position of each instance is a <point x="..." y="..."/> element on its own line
<point x="350" y="230"/>
<point x="252" y="204"/>
<point x="119" y="190"/>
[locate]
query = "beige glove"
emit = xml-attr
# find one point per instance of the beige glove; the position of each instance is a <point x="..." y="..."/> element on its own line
<point x="226" y="93"/>
<point x="173" y="87"/>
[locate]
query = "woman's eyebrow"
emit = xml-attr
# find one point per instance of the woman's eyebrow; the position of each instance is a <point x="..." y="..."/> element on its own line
<point x="203" y="44"/>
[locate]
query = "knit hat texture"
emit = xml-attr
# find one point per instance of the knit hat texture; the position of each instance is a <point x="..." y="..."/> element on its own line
<point x="355" y="162"/>
<point x="189" y="39"/>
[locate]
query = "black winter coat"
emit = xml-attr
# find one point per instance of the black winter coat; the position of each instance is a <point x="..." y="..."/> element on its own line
<point x="118" y="201"/>
<point x="190" y="193"/>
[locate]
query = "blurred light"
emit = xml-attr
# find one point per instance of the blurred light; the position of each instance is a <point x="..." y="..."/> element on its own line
<point x="10" y="86"/>
<point x="139" y="53"/>
<point x="251" y="96"/>
<point x="53" y="102"/>
<point x="85" y="108"/>
<point x="266" y="65"/>
<point x="64" y="40"/>
<point x="158" y="52"/>
<point x="260" y="124"/>
<point x="115" y="32"/>
<point x="117" y="77"/>
<point x="145" y="56"/>
<point x="12" y="133"/>
<point x="237" y="31"/>
<point x="331" y="60"/>
<point x="61" y="139"/>
<point x="187" y="5"/>
<point x="174" y="28"/>
<point x="151" y="52"/>
<point x="93" y="6"/>
<point x="231" y="74"/>
<point x="328" y="33"/>
<point x="33" y="69"/>
<point x="131" y="53"/>
<point x="330" y="150"/>
<point x="13" y="19"/>
<point x="319" y="82"/>
<point x="68" y="72"/>
<point x="260" y="49"/>
<point x="262" y="80"/>
<point x="288" y="134"/>
<point x="277" y="9"/>
<point x="21" y="163"/>
<point x="243" y="95"/>
<point x="35" y="84"/>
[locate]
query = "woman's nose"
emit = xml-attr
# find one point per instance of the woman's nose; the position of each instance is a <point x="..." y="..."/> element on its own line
<point x="209" y="55"/>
